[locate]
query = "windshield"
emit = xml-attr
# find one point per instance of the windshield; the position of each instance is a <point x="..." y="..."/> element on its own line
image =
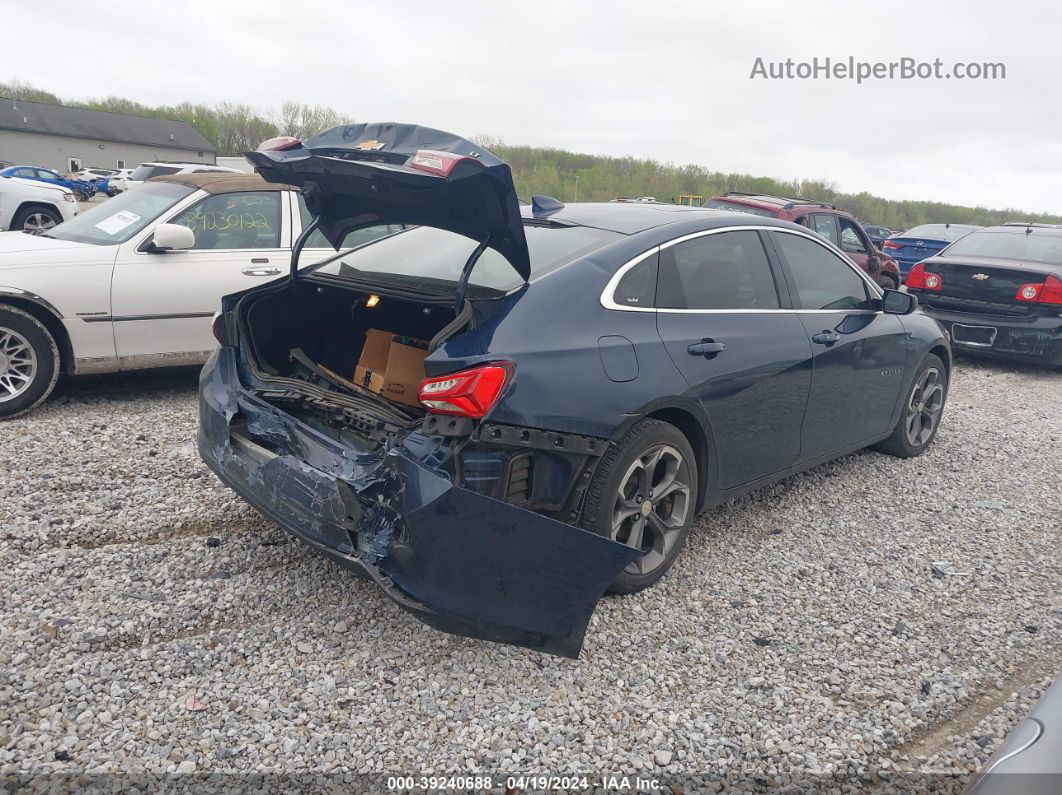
<point x="429" y="259"/>
<point x="1010" y="244"/>
<point x="940" y="231"/>
<point x="721" y="204"/>
<point x="141" y="173"/>
<point x="118" y="219"/>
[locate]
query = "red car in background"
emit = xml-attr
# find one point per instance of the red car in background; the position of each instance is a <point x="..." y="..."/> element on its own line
<point x="837" y="226"/>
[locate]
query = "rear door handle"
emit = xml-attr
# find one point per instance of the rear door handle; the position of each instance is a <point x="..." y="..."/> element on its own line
<point x="826" y="337"/>
<point x="706" y="348"/>
<point x="261" y="270"/>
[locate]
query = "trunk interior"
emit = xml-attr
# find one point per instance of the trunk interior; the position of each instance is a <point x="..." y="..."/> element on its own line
<point x="328" y="325"/>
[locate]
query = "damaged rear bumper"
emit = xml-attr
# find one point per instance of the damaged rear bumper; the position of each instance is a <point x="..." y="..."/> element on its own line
<point x="459" y="561"/>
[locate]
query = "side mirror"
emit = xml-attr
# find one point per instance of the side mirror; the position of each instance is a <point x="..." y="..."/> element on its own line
<point x="893" y="302"/>
<point x="172" y="237"/>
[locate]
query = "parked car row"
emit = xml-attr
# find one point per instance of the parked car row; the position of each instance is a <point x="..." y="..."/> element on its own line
<point x="89" y="181"/>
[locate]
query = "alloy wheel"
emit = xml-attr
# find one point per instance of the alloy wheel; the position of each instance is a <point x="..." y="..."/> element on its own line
<point x="37" y="222"/>
<point x="924" y="407"/>
<point x="652" y="505"/>
<point x="18" y="364"/>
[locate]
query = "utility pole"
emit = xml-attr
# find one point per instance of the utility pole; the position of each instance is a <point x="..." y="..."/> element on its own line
<point x="576" y="188"/>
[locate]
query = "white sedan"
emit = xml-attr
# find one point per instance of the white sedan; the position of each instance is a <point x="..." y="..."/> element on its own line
<point x="134" y="282"/>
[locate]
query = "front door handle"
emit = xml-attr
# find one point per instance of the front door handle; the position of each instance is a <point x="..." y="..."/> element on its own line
<point x="826" y="337"/>
<point x="261" y="270"/>
<point x="706" y="348"/>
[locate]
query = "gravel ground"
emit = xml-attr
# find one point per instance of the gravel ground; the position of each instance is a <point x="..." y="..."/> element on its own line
<point x="153" y="622"/>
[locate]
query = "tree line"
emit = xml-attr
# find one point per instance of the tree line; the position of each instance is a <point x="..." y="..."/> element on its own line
<point x="234" y="128"/>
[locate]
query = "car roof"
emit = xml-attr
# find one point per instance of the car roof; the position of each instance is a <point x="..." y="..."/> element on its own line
<point x="629" y="218"/>
<point x="223" y="181"/>
<point x="1051" y="230"/>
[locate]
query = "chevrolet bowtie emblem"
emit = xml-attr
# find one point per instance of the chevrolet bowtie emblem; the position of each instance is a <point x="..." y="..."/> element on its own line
<point x="980" y="276"/>
<point x="370" y="145"/>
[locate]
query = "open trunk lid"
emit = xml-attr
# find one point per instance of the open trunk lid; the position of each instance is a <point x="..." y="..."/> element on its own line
<point x="362" y="175"/>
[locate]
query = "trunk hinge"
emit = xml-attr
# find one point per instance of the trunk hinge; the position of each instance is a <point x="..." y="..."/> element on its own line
<point x="466" y="271"/>
<point x="300" y="241"/>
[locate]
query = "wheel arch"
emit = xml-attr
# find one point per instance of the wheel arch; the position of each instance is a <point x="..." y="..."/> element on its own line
<point x="942" y="352"/>
<point x="29" y="205"/>
<point x="48" y="316"/>
<point x="698" y="434"/>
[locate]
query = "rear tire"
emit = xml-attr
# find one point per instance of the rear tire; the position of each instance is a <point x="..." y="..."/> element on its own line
<point x="29" y="362"/>
<point x="888" y="282"/>
<point x="644" y="494"/>
<point x="35" y="219"/>
<point x="923" y="408"/>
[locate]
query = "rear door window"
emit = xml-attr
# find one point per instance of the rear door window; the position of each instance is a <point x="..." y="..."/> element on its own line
<point x="726" y="270"/>
<point x="821" y="279"/>
<point x="825" y="226"/>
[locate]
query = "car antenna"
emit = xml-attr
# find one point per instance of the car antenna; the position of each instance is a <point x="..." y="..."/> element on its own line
<point x="544" y="206"/>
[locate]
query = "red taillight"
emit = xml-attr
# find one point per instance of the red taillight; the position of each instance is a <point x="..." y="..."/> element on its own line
<point x="279" y="144"/>
<point x="1050" y="292"/>
<point x="890" y="244"/>
<point x="441" y="163"/>
<point x="467" y="393"/>
<point x="921" y="279"/>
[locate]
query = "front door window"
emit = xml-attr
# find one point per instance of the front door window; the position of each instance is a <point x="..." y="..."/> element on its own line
<point x="234" y="221"/>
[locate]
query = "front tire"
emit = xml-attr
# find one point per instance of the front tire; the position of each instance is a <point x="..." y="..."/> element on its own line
<point x="923" y="408"/>
<point x="29" y="362"/>
<point x="888" y="282"/>
<point x="644" y="495"/>
<point x="35" y="219"/>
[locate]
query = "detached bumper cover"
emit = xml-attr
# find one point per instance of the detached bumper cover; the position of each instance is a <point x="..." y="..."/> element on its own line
<point x="461" y="562"/>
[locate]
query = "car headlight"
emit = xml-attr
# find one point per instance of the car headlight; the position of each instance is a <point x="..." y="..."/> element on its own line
<point x="69" y="197"/>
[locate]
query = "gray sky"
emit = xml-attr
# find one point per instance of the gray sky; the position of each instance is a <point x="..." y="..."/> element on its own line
<point x="666" y="79"/>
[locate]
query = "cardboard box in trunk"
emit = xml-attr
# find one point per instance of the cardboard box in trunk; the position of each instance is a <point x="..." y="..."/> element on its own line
<point x="392" y="366"/>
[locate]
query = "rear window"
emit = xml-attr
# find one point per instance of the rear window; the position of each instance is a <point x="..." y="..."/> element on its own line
<point x="1035" y="246"/>
<point x="429" y="259"/>
<point x="940" y="231"/>
<point x="147" y="172"/>
<point x="722" y="204"/>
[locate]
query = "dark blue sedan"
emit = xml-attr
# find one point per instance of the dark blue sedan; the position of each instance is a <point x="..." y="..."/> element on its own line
<point x="81" y="188"/>
<point x="505" y="411"/>
<point x="911" y="247"/>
